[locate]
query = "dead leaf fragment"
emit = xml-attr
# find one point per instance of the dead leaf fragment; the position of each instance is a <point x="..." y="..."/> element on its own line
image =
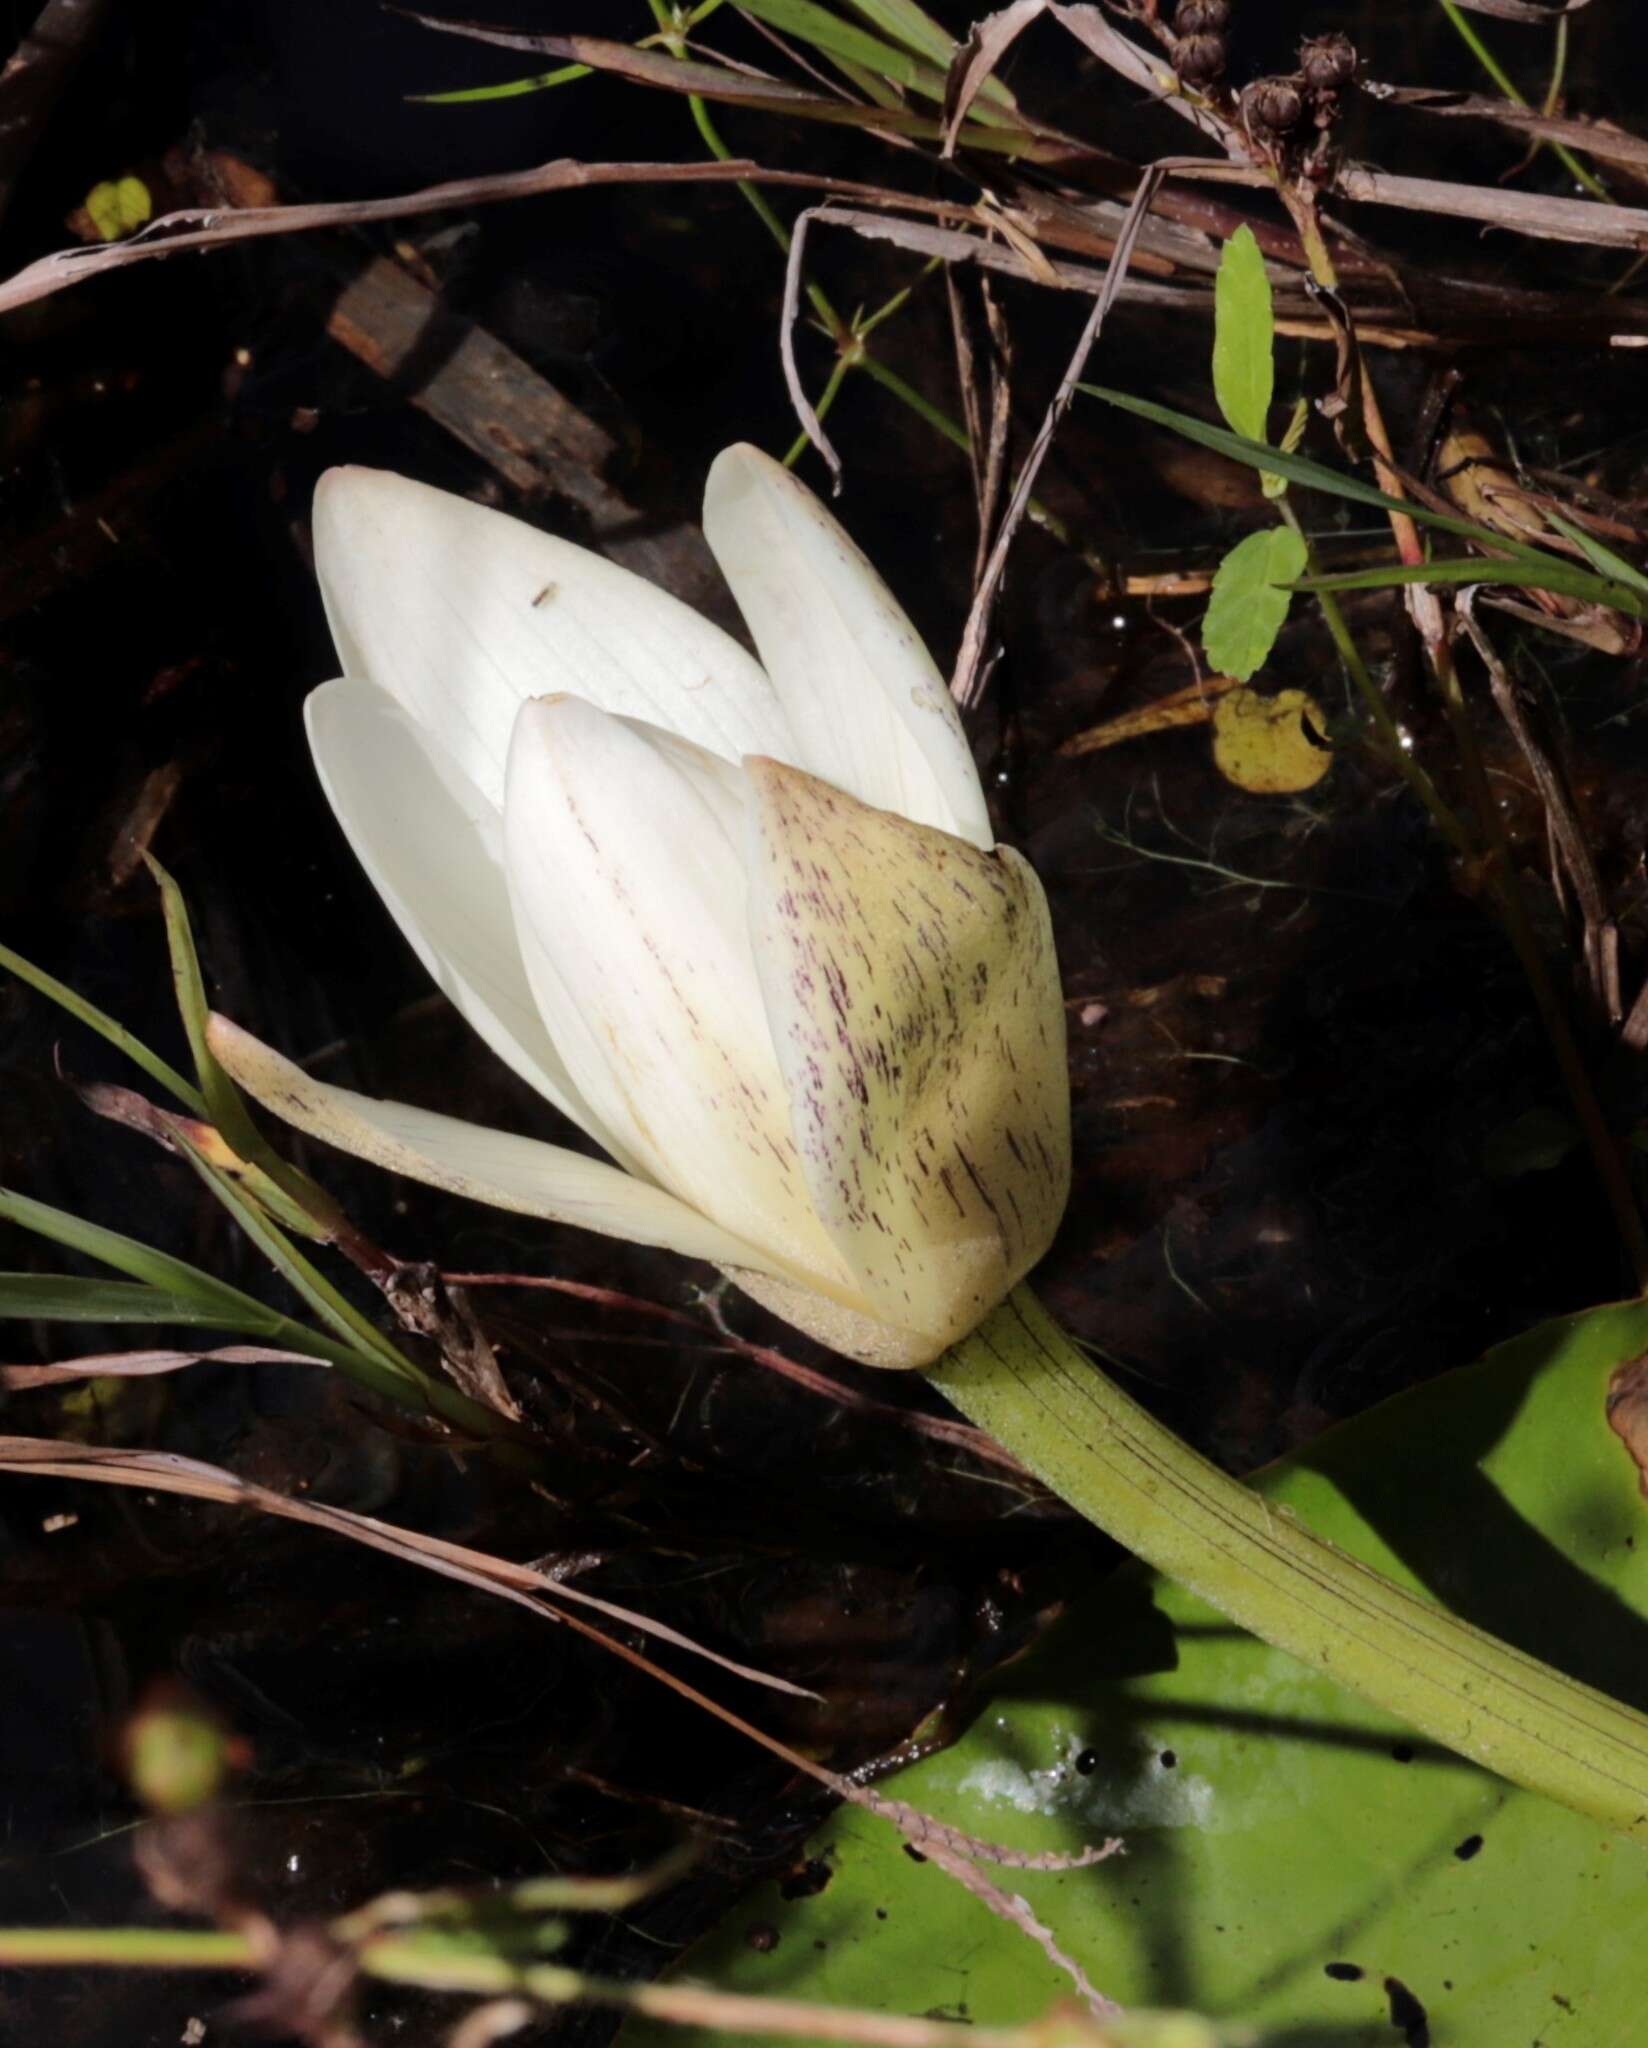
<point x="1273" y="746"/>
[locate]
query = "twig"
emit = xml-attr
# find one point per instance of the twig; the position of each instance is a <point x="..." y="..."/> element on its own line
<point x="1600" y="935"/>
<point x="203" y="228"/>
<point x="967" y="682"/>
<point x="521" y="1584"/>
<point x="940" y="1428"/>
<point x="811" y="425"/>
<point x="986" y="438"/>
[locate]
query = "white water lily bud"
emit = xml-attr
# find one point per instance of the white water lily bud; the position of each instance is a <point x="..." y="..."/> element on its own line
<point x="743" y="924"/>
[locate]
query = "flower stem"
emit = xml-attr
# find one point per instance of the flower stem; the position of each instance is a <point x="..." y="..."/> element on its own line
<point x="1019" y="1377"/>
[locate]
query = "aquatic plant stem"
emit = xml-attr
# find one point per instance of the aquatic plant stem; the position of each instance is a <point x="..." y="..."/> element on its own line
<point x="1019" y="1377"/>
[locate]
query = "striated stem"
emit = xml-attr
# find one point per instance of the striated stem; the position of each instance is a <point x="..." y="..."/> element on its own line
<point x="1019" y="1377"/>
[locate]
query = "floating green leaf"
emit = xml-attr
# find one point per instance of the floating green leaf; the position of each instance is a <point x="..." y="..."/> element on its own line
<point x="1250" y="600"/>
<point x="1244" y="333"/>
<point x="1295" y="1860"/>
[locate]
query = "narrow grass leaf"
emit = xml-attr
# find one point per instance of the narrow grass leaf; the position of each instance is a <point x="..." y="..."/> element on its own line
<point x="828" y="32"/>
<point x="910" y="25"/>
<point x="340" y="1315"/>
<point x="1244" y="335"/>
<point x="1300" y="469"/>
<point x="138" y="1261"/>
<point x="225" y="1104"/>
<point x="1566" y="579"/>
<point x="105" y="1026"/>
<point x="74" y="1298"/>
<point x="511" y="89"/>
<point x="188" y="1296"/>
<point x="1250" y="600"/>
<point x="1601" y="558"/>
<point x="916" y="29"/>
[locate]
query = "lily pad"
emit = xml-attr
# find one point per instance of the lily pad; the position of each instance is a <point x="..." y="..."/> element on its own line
<point x="1295" y="1859"/>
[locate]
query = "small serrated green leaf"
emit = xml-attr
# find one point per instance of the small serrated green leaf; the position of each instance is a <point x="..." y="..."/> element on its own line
<point x="1250" y="601"/>
<point x="1244" y="333"/>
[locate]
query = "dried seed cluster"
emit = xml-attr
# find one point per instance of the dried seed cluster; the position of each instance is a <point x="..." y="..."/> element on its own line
<point x="1199" y="50"/>
<point x="1274" y="110"/>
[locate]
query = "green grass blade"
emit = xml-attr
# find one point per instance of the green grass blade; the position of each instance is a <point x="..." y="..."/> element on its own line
<point x="105" y="1026"/>
<point x="1602" y="559"/>
<point x="511" y="89"/>
<point x="340" y="1315"/>
<point x="225" y="1105"/>
<point x="138" y="1261"/>
<point x="368" y="1357"/>
<point x="870" y="83"/>
<point x="1566" y="579"/>
<point x="1300" y="469"/>
<point x="73" y="1298"/>
<point x="911" y="26"/>
<point x="817" y="26"/>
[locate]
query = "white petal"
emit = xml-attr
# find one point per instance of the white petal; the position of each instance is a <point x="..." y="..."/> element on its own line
<point x="869" y="709"/>
<point x="627" y="875"/>
<point x="917" y="1015"/>
<point x="496" y="1167"/>
<point x="462" y="614"/>
<point x="431" y="846"/>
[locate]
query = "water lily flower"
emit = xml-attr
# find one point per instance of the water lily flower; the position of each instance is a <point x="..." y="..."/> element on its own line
<point x="744" y="923"/>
